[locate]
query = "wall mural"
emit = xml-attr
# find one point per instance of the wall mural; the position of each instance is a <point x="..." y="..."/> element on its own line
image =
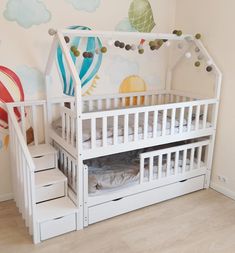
<point x="141" y="16"/>
<point x="11" y="90"/>
<point x="87" y="67"/>
<point x="125" y="26"/>
<point x="140" y="19"/>
<point x="85" y="5"/>
<point x="32" y="81"/>
<point x="27" y="12"/>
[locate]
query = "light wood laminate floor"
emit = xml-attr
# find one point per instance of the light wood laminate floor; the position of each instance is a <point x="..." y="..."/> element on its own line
<point x="199" y="222"/>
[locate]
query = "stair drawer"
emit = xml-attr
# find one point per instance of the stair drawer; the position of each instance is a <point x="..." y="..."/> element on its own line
<point x="50" y="191"/>
<point x="44" y="162"/>
<point x="57" y="226"/>
<point x="126" y="204"/>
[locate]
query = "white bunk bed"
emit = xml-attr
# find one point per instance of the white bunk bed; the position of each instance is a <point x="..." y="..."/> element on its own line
<point x="168" y="136"/>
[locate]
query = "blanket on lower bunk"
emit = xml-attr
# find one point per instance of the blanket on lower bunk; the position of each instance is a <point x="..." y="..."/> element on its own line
<point x="111" y="172"/>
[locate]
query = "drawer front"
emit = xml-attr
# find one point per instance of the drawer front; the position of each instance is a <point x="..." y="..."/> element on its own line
<point x="58" y="226"/>
<point x="48" y="192"/>
<point x="44" y="162"/>
<point x="133" y="202"/>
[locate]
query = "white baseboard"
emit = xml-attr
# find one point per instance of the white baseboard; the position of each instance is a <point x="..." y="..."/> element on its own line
<point x="6" y="196"/>
<point x="223" y="190"/>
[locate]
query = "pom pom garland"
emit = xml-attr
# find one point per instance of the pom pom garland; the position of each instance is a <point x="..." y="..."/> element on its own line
<point x="198" y="36"/>
<point x="188" y="55"/>
<point x="67" y="39"/>
<point x="52" y="31"/>
<point x="209" y="68"/>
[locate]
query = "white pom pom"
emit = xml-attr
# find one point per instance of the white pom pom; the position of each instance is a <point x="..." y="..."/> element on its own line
<point x="133" y="47"/>
<point x="52" y="31"/>
<point x="209" y="62"/>
<point x="168" y="43"/>
<point x="188" y="55"/>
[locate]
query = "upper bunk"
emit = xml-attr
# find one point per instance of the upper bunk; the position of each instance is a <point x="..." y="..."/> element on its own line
<point x="99" y="124"/>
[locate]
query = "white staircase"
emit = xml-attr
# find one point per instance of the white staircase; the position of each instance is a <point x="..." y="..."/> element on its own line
<point x="56" y="214"/>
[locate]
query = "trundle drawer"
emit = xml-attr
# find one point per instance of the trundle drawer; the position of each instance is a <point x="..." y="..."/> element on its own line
<point x="57" y="226"/>
<point x="133" y="202"/>
<point x="44" y="162"/>
<point x="50" y="191"/>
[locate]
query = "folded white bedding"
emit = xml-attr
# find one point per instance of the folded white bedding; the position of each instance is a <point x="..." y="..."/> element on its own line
<point x="86" y="126"/>
<point x="57" y="126"/>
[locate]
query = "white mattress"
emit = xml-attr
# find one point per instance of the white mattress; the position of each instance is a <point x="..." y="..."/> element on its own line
<point x="57" y="126"/>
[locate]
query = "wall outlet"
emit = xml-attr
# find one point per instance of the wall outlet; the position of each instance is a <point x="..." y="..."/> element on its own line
<point x="223" y="179"/>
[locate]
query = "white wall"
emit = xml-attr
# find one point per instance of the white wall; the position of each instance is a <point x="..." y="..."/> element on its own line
<point x="25" y="50"/>
<point x="215" y="20"/>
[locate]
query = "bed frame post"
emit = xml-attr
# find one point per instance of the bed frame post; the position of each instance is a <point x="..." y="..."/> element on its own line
<point x="218" y="83"/>
<point x="48" y="80"/>
<point x="78" y="111"/>
<point x="215" y="113"/>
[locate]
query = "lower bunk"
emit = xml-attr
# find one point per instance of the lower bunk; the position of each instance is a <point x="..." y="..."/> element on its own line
<point x="124" y="182"/>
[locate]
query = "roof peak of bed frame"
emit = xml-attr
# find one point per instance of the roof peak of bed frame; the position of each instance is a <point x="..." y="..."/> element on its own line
<point x="116" y="34"/>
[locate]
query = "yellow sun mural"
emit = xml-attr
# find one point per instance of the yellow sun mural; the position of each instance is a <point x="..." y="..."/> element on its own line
<point x="131" y="84"/>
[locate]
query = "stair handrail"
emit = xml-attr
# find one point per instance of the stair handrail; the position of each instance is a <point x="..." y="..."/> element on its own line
<point x="22" y="141"/>
<point x="31" y="167"/>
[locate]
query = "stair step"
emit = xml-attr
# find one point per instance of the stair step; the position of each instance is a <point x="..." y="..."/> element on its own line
<point x="46" y="177"/>
<point x="55" y="208"/>
<point x="50" y="184"/>
<point x="42" y="150"/>
<point x="44" y="156"/>
<point x="56" y="217"/>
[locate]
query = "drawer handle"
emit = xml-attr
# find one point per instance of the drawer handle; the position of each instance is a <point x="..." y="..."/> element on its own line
<point x="183" y="180"/>
<point x="117" y="199"/>
<point x="58" y="218"/>
<point x="47" y="185"/>
<point x="40" y="156"/>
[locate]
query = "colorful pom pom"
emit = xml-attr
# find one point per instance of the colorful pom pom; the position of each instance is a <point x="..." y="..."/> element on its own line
<point x="103" y="50"/>
<point x="209" y="68"/>
<point x="67" y="39"/>
<point x="198" y="36"/>
<point x="76" y="53"/>
<point x="73" y="48"/>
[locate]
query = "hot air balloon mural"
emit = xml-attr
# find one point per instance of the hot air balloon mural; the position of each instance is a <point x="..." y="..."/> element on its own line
<point x="87" y="67"/>
<point x="11" y="90"/>
<point x="141" y="16"/>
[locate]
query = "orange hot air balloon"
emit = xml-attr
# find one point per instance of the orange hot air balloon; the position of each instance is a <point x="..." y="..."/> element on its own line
<point x="11" y="90"/>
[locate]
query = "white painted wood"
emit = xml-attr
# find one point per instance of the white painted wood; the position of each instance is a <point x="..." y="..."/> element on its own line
<point x="130" y="203"/>
<point x="56" y="208"/>
<point x="50" y="191"/>
<point x="72" y="129"/>
<point x="132" y="35"/>
<point x="44" y="162"/>
<point x="57" y="226"/>
<point x="41" y="150"/>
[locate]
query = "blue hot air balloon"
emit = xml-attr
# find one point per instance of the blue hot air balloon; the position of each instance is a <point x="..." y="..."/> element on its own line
<point x="86" y="67"/>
